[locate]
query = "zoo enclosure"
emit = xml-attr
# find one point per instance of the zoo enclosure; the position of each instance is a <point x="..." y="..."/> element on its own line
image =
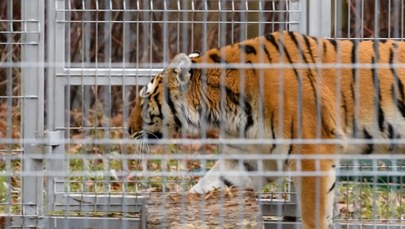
<point x="72" y="166"/>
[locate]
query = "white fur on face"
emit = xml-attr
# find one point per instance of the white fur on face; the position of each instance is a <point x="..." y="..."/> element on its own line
<point x="148" y="89"/>
<point x="194" y="54"/>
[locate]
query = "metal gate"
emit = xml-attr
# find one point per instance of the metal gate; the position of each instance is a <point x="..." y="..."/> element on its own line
<point x="77" y="160"/>
<point x="89" y="73"/>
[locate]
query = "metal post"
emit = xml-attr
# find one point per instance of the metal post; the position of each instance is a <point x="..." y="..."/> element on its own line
<point x="297" y="16"/>
<point x="318" y="13"/>
<point x="32" y="72"/>
<point x="55" y="94"/>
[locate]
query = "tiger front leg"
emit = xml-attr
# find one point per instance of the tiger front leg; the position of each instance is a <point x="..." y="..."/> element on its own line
<point x="315" y="192"/>
<point x="226" y="173"/>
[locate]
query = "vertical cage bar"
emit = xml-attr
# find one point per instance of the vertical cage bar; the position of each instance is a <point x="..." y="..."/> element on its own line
<point x="32" y="14"/>
<point x="9" y="92"/>
<point x="55" y="58"/>
<point x="298" y="15"/>
<point x="319" y="17"/>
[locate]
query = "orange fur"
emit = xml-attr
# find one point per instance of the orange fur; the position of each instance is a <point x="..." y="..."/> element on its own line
<point x="317" y="102"/>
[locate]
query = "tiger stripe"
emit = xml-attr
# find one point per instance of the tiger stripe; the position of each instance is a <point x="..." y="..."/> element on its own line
<point x="354" y="92"/>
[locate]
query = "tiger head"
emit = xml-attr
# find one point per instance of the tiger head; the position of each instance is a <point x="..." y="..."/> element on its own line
<point x="160" y="105"/>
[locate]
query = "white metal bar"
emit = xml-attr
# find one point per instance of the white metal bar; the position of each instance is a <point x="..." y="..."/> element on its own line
<point x="81" y="203"/>
<point x="319" y="17"/>
<point x="73" y="222"/>
<point x="106" y="76"/>
<point x="55" y="48"/>
<point x="32" y="109"/>
<point x="297" y="14"/>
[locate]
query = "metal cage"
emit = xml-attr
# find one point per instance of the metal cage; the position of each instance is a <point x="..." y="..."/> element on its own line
<point x="70" y="71"/>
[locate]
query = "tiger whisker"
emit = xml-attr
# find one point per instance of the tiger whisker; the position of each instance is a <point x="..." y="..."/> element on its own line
<point x="142" y="145"/>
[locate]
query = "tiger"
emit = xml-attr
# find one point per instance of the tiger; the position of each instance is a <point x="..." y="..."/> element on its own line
<point x="282" y="85"/>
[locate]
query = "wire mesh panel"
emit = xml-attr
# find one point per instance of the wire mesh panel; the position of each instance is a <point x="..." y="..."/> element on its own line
<point x="217" y="135"/>
<point x="11" y="102"/>
<point x="368" y="19"/>
<point x="22" y="110"/>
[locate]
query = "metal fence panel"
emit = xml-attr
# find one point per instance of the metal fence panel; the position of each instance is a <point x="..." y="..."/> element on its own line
<point x="22" y="110"/>
<point x="67" y="160"/>
<point x="130" y="54"/>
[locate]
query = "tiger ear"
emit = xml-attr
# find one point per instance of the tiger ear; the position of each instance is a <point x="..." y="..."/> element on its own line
<point x="181" y="65"/>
